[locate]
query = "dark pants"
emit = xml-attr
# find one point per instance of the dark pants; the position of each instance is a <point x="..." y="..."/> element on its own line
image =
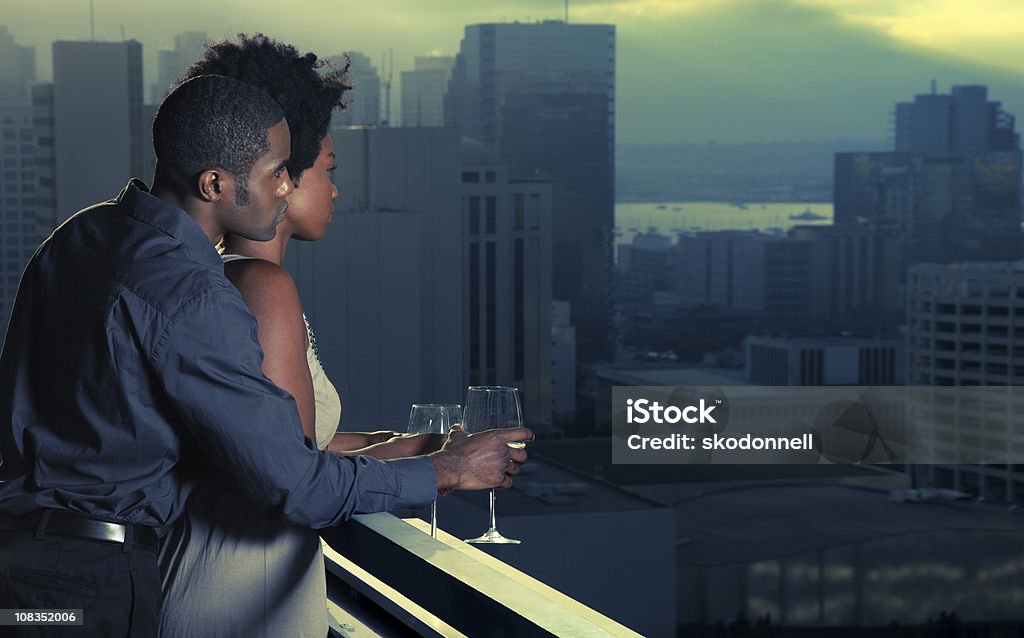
<point x="118" y="590"/>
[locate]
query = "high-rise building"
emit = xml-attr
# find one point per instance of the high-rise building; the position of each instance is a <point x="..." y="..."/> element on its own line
<point x="946" y="206"/>
<point x="951" y="190"/>
<point x="19" y="231"/>
<point x="965" y="327"/>
<point x="17" y="70"/>
<point x="172" y="63"/>
<point x="855" y="274"/>
<point x="423" y="90"/>
<point x="383" y="290"/>
<point x="363" y="101"/>
<point x="745" y="271"/>
<point x="644" y="267"/>
<point x="507" y="230"/>
<point x="92" y="119"/>
<point x="542" y="96"/>
<point x="19" y="228"/>
<point x="964" y="121"/>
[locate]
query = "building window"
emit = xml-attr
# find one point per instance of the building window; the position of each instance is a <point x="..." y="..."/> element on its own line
<point x="474" y="215"/>
<point x="518" y="212"/>
<point x="474" y="311"/>
<point x="470" y="177"/>
<point x="491" y="312"/>
<point x="519" y="321"/>
<point x="489" y="177"/>
<point x="492" y="214"/>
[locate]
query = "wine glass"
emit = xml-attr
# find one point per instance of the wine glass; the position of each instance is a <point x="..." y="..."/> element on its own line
<point x="490" y="407"/>
<point x="433" y="418"/>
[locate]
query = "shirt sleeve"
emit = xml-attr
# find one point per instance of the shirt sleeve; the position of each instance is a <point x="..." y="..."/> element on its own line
<point x="209" y="362"/>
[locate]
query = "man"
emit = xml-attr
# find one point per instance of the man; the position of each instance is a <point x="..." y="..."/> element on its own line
<point x="131" y="363"/>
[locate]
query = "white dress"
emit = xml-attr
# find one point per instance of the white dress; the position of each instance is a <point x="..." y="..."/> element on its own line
<point x="228" y="572"/>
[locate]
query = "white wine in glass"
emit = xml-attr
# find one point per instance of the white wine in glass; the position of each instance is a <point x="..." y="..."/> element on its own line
<point x="434" y="418"/>
<point x="489" y="407"/>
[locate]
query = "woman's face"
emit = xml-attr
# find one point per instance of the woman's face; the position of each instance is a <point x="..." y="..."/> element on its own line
<point x="310" y="204"/>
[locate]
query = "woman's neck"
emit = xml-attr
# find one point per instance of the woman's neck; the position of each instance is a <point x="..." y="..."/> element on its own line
<point x="272" y="251"/>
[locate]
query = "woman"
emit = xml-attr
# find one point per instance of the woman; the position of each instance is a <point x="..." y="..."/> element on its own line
<point x="226" y="571"/>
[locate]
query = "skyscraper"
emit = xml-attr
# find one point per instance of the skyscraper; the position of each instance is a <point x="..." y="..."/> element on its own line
<point x="363" y="108"/>
<point x="507" y="230"/>
<point x="542" y="96"/>
<point x="171" y="63"/>
<point x="17" y="70"/>
<point x="964" y="121"/>
<point x="92" y="119"/>
<point x="423" y="91"/>
<point x="19" y="231"/>
<point x="945" y="206"/>
<point x="965" y="327"/>
<point x="951" y="189"/>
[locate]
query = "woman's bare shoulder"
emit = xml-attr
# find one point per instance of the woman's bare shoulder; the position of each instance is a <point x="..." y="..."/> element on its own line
<point x="266" y="287"/>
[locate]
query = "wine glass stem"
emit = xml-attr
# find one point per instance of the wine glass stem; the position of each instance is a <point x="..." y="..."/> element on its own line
<point x="494" y="523"/>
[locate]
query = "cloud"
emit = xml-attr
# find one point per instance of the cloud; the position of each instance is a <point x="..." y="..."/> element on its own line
<point x="688" y="70"/>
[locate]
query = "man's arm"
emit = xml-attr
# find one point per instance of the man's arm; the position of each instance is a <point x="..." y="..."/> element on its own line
<point x="208" y="360"/>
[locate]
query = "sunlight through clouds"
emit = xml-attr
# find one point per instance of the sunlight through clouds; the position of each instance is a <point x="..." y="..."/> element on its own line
<point x="990" y="31"/>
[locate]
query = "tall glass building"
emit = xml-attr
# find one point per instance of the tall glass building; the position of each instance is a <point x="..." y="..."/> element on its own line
<point x="542" y="96"/>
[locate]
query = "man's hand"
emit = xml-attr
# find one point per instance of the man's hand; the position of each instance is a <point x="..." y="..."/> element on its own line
<point x="479" y="461"/>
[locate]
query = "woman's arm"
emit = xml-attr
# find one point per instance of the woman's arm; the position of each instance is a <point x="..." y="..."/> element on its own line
<point x="385" y="445"/>
<point x="271" y="295"/>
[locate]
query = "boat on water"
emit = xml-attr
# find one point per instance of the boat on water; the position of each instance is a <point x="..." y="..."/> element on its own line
<point x="808" y="216"/>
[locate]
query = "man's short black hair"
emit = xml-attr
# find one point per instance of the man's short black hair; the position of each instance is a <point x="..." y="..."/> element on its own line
<point x="308" y="89"/>
<point x="212" y="121"/>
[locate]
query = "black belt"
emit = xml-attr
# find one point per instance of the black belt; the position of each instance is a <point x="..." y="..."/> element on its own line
<point x="61" y="523"/>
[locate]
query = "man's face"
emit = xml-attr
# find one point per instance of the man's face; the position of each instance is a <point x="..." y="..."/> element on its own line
<point x="258" y="205"/>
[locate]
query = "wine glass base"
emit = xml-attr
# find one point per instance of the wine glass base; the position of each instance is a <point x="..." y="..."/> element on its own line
<point x="492" y="537"/>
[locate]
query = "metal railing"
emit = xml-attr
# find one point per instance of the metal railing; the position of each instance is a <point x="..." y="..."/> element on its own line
<point x="390" y="578"/>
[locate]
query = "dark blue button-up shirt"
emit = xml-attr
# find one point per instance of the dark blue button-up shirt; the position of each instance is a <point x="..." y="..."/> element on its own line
<point x="131" y="367"/>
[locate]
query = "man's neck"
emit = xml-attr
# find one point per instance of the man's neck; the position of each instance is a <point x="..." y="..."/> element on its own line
<point x="193" y="208"/>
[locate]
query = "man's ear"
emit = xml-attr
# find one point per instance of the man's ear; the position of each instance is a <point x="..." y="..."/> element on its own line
<point x="213" y="184"/>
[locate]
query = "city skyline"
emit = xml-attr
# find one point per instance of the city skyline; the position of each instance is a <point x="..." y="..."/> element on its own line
<point x="684" y="69"/>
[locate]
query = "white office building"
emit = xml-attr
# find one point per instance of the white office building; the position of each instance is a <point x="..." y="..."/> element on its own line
<point x="507" y="230"/>
<point x="965" y="328"/>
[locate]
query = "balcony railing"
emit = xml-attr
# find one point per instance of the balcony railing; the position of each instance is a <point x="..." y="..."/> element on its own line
<point x="386" y="576"/>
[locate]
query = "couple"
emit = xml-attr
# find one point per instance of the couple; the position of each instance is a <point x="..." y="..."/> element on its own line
<point x="134" y="374"/>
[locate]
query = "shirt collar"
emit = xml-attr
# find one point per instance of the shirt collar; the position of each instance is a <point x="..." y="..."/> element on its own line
<point x="170" y="219"/>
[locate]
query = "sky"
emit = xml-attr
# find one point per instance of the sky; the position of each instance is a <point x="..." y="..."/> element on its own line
<point x="694" y="71"/>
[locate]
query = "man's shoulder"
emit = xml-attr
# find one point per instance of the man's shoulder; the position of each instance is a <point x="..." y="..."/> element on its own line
<point x="157" y="267"/>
